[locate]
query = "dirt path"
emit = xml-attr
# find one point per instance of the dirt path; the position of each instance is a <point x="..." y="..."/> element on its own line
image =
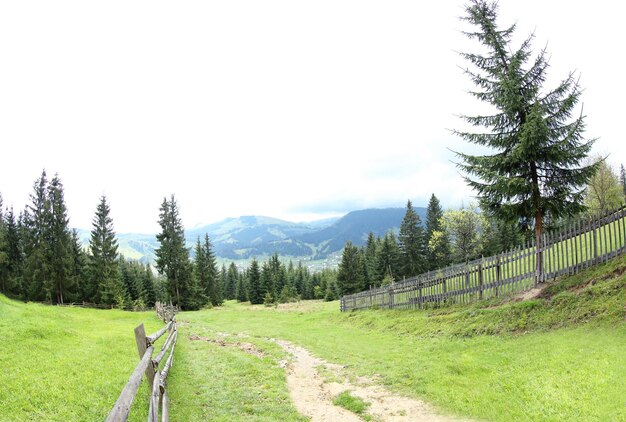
<point x="313" y="396"/>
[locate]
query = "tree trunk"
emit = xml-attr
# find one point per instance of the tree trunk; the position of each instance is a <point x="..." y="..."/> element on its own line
<point x="539" y="246"/>
<point x="538" y="217"/>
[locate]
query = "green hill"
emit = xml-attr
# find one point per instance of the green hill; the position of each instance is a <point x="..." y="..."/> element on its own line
<point x="556" y="356"/>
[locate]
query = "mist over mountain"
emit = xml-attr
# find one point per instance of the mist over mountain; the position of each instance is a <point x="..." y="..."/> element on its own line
<point x="256" y="236"/>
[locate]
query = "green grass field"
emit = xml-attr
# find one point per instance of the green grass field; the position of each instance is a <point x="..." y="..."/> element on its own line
<point x="561" y="356"/>
<point x="67" y="364"/>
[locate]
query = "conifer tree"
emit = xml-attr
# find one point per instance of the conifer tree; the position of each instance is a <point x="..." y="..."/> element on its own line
<point x="128" y="281"/>
<point x="299" y="280"/>
<point x="388" y="258"/>
<point x="279" y="274"/>
<point x="36" y="228"/>
<point x="104" y="267"/>
<point x="79" y="267"/>
<point x="15" y="254"/>
<point x="60" y="244"/>
<point x="148" y="286"/>
<point x="332" y="290"/>
<point x="255" y="290"/>
<point x="223" y="280"/>
<point x="350" y="277"/>
<point x="535" y="170"/>
<point x="439" y="250"/>
<point x="232" y="278"/>
<point x="215" y="288"/>
<point x="267" y="287"/>
<point x="622" y="178"/>
<point x="206" y="271"/>
<point x="241" y="292"/>
<point x="411" y="244"/>
<point x="434" y="212"/>
<point x="172" y="257"/>
<point x="4" y="253"/>
<point x="370" y="261"/>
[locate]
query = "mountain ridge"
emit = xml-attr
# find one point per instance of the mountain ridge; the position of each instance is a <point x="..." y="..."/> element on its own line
<point x="244" y="237"/>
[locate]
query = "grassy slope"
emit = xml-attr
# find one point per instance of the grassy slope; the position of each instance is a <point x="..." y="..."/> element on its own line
<point x="67" y="363"/>
<point x="560" y="357"/>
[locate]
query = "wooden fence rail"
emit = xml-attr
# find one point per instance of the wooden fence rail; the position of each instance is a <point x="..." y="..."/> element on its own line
<point x="150" y="367"/>
<point x="575" y="247"/>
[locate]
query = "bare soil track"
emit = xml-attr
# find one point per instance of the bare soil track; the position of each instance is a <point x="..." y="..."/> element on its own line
<point x="313" y="395"/>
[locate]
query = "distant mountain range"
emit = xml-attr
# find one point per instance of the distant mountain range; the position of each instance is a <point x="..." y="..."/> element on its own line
<point x="255" y="236"/>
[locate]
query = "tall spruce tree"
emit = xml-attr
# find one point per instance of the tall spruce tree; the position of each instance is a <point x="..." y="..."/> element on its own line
<point x="15" y="254"/>
<point x="214" y="289"/>
<point x="4" y="253"/>
<point x="172" y="257"/>
<point x="388" y="258"/>
<point x="438" y="250"/>
<point x="79" y="267"/>
<point x="36" y="228"/>
<point x="370" y="261"/>
<point x="350" y="277"/>
<point x="535" y="170"/>
<point x="206" y="271"/>
<point x="241" y="292"/>
<point x="232" y="276"/>
<point x="255" y="289"/>
<point x="104" y="268"/>
<point x="59" y="251"/>
<point x="223" y="280"/>
<point x="412" y="244"/>
<point x="434" y="212"/>
<point x="148" y="286"/>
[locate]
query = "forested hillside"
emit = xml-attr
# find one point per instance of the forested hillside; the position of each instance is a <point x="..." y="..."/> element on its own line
<point x="249" y="236"/>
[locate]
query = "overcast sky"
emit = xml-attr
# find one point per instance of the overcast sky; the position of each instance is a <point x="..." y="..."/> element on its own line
<point x="291" y="109"/>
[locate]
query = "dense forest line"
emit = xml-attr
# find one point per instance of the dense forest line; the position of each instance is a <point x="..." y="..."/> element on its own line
<point x="42" y="259"/>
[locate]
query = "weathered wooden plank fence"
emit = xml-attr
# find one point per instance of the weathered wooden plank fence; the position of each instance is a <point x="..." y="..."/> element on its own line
<point x="150" y="367"/>
<point x="575" y="247"/>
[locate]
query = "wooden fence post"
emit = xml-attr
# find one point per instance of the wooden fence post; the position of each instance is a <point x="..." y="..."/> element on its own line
<point x="480" y="279"/>
<point x="595" y="246"/>
<point x="420" y="304"/>
<point x="467" y="282"/>
<point x="498" y="274"/>
<point x="142" y="346"/>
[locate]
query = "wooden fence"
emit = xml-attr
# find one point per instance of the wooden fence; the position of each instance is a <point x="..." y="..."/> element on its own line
<point x="578" y="246"/>
<point x="164" y="311"/>
<point x="149" y="366"/>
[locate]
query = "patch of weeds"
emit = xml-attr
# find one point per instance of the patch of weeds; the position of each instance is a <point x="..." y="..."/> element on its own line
<point x="352" y="403"/>
<point x="328" y="375"/>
